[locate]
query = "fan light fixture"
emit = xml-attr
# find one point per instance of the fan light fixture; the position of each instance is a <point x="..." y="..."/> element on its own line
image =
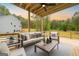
<point x="43" y="5"/>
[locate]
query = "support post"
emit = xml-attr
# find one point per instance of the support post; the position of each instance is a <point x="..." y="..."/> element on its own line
<point x="42" y="25"/>
<point x="29" y="21"/>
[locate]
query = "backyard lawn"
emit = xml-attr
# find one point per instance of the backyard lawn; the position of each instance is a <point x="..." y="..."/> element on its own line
<point x="68" y="34"/>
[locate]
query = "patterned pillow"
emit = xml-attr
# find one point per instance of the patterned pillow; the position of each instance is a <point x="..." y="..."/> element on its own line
<point x="53" y="35"/>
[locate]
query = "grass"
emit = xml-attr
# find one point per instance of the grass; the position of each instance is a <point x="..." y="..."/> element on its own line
<point x="68" y="34"/>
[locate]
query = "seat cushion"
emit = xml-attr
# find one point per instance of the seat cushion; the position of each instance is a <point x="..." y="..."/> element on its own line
<point x="54" y="37"/>
<point x="32" y="41"/>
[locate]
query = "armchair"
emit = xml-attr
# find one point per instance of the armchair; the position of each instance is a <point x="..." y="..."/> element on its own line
<point x="54" y="36"/>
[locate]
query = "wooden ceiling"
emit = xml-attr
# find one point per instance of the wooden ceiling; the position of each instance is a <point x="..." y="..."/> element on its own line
<point x="37" y="9"/>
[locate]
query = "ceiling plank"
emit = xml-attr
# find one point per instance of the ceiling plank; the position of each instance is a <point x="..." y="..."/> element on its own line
<point x="53" y="7"/>
<point x="34" y="7"/>
<point x="48" y="7"/>
<point x="38" y="9"/>
<point x="28" y="6"/>
<point x="20" y="5"/>
<point x="62" y="8"/>
<point x="56" y="9"/>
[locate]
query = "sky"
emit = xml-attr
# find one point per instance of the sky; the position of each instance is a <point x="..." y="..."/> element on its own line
<point x="65" y="14"/>
<point x="60" y="15"/>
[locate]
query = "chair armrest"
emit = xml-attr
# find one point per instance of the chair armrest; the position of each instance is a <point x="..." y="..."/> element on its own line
<point x="21" y="43"/>
<point x="56" y="39"/>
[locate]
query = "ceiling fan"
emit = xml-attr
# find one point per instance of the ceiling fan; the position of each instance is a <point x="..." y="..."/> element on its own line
<point x="44" y="5"/>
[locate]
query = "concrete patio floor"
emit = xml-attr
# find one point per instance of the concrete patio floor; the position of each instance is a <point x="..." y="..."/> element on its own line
<point x="66" y="47"/>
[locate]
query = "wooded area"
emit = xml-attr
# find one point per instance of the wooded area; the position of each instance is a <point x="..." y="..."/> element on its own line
<point x="64" y="25"/>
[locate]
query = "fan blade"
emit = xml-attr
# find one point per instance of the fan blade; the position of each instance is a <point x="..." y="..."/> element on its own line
<point x="51" y="4"/>
<point x="48" y="4"/>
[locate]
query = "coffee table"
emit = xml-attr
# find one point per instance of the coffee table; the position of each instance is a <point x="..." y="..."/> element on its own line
<point x="47" y="47"/>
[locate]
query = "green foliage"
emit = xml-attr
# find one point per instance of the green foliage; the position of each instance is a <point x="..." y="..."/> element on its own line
<point x="47" y="24"/>
<point x="66" y="25"/>
<point x="4" y="10"/>
<point x="36" y="23"/>
<point x="24" y="22"/>
<point x="75" y="22"/>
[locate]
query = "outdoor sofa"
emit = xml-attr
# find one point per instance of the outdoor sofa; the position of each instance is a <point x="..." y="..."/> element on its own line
<point x="30" y="38"/>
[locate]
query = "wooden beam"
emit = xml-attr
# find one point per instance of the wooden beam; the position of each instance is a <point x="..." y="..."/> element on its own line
<point x="28" y="6"/>
<point x="29" y="21"/>
<point x="38" y="9"/>
<point x="42" y="24"/>
<point x="34" y="7"/>
<point x="41" y="11"/>
<point x="20" y="5"/>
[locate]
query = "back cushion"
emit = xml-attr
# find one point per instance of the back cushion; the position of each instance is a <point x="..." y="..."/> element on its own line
<point x="32" y="36"/>
<point x="35" y="35"/>
<point x="54" y="34"/>
<point x="23" y="37"/>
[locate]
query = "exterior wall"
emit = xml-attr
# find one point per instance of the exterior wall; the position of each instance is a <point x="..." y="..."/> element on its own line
<point x="9" y="24"/>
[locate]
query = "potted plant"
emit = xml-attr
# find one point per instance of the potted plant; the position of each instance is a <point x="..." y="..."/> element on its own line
<point x="11" y="39"/>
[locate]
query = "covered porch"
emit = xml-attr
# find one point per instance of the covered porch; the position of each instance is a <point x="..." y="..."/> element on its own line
<point x="68" y="46"/>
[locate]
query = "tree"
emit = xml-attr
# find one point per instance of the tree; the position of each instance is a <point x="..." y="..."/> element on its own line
<point x="47" y="24"/>
<point x="75" y="22"/>
<point x="24" y="21"/>
<point x="4" y="10"/>
<point x="36" y="23"/>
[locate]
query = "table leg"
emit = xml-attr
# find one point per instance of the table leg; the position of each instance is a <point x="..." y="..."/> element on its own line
<point x="48" y="54"/>
<point x="57" y="46"/>
<point x="35" y="48"/>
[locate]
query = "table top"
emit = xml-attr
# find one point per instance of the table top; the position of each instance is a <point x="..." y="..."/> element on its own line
<point x="47" y="47"/>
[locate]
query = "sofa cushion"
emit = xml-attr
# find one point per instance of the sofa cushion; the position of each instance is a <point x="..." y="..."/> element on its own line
<point x="31" y="41"/>
<point x="54" y="37"/>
